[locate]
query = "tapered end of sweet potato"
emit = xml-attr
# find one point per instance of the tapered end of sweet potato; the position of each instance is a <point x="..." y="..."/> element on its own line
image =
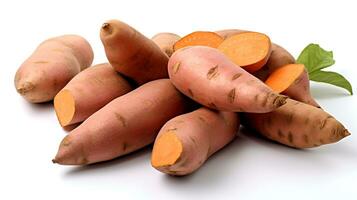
<point x="115" y="29"/>
<point x="26" y="88"/>
<point x="107" y="28"/>
<point x="167" y="150"/>
<point x="70" y="153"/>
<point x="64" y="104"/>
<point x="346" y="133"/>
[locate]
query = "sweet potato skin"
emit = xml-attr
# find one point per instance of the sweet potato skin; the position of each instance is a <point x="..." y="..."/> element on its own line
<point x="210" y="78"/>
<point x="133" y="54"/>
<point x="126" y="124"/>
<point x="300" y="89"/>
<point x="166" y="42"/>
<point x="51" y="66"/>
<point x="92" y="89"/>
<point x="296" y="124"/>
<point x="202" y="133"/>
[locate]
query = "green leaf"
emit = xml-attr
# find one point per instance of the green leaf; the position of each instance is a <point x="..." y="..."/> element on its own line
<point x="315" y="58"/>
<point x="331" y="78"/>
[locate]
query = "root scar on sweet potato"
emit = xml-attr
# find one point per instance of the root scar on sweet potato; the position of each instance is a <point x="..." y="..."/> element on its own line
<point x="212" y="73"/>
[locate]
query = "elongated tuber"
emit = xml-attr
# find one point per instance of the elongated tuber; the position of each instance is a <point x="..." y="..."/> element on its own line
<point x="51" y="66"/>
<point x="185" y="142"/>
<point x="297" y="124"/>
<point x="126" y="124"/>
<point x="87" y="92"/>
<point x="210" y="78"/>
<point x="133" y="54"/>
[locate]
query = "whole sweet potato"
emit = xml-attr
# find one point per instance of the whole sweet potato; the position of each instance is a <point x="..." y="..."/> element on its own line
<point x="210" y="78"/>
<point x="51" y="66"/>
<point x="185" y="142"/>
<point x="297" y="124"/>
<point x="126" y="124"/>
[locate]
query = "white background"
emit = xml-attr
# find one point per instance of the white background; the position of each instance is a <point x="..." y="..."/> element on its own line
<point x="249" y="168"/>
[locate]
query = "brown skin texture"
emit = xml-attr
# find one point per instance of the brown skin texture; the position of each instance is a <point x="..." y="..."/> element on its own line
<point x="249" y="50"/>
<point x="199" y="38"/>
<point x="51" y="66"/>
<point x="132" y="54"/>
<point x="297" y="124"/>
<point x="300" y="89"/>
<point x="87" y="92"/>
<point x="166" y="42"/>
<point x="211" y="79"/>
<point x="185" y="142"/>
<point x="126" y="124"/>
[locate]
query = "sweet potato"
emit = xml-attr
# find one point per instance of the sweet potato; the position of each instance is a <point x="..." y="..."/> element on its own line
<point x="51" y="66"/>
<point x="249" y="50"/>
<point x="126" y="124"/>
<point x="226" y="33"/>
<point x="166" y="42"/>
<point x="132" y="54"/>
<point x="300" y="88"/>
<point x="87" y="92"/>
<point x="285" y="76"/>
<point x="210" y="78"/>
<point x="297" y="124"/>
<point x="185" y="142"/>
<point x="199" y="38"/>
<point x="279" y="57"/>
<point x="293" y="81"/>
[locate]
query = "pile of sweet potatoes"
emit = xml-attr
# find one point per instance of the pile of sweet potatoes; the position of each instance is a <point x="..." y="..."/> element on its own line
<point x="187" y="96"/>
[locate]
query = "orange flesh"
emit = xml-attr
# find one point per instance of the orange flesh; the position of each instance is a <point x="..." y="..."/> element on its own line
<point x="200" y="38"/>
<point x="282" y="78"/>
<point x="167" y="150"/>
<point x="247" y="48"/>
<point x="64" y="106"/>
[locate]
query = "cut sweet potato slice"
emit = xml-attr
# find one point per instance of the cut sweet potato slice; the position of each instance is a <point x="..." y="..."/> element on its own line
<point x="282" y="78"/>
<point x="199" y="38"/>
<point x="249" y="50"/>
